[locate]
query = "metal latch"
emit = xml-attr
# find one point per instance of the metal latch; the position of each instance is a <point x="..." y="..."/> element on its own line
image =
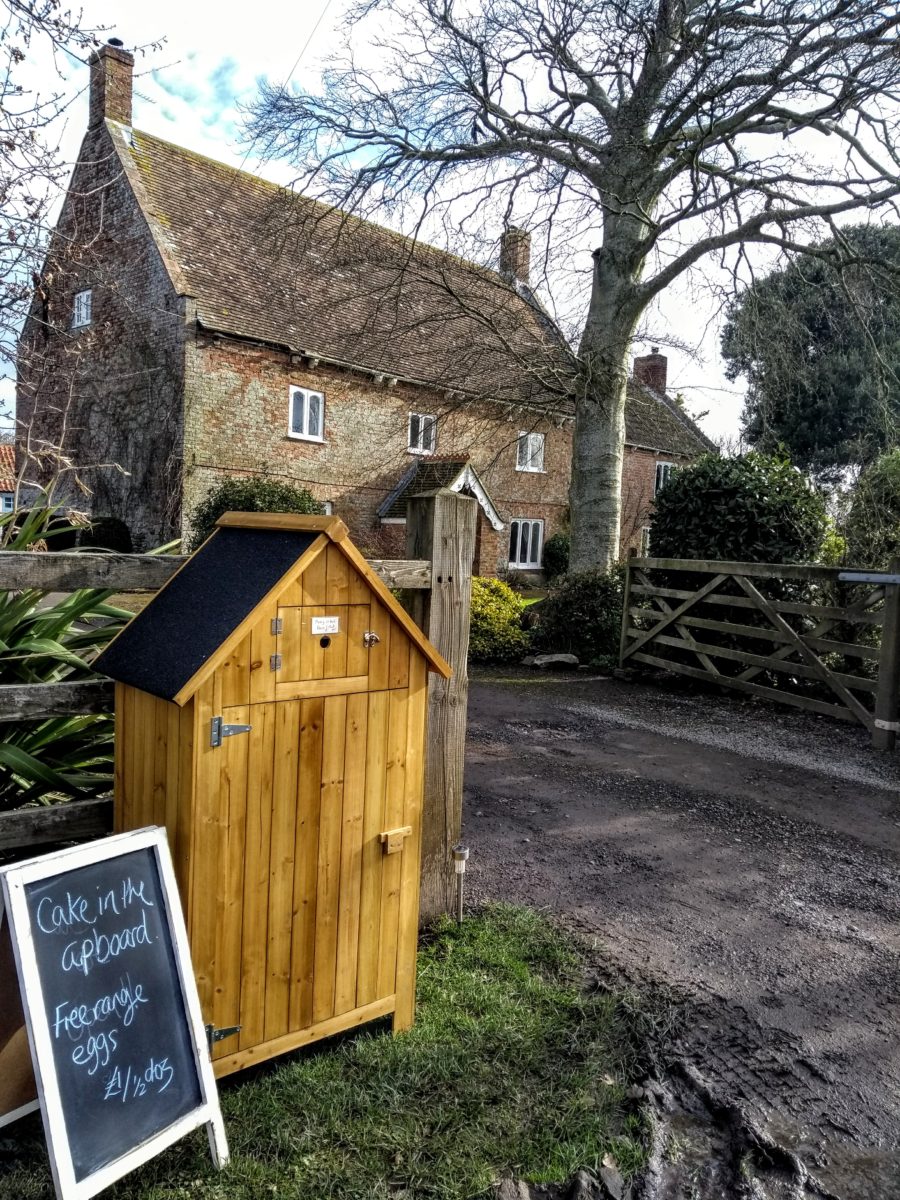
<point x="370" y="639"/>
<point x="217" y="731"/>
<point x="218" y="1035"/>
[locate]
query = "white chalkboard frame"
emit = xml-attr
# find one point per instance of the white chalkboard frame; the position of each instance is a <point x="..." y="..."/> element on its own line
<point x="15" y="879"/>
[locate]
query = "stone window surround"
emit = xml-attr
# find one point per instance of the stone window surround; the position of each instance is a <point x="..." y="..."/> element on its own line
<point x="664" y="469"/>
<point x="532" y="562"/>
<point x="533" y="452"/>
<point x="427" y="424"/>
<point x="307" y="394"/>
<point x="82" y="308"/>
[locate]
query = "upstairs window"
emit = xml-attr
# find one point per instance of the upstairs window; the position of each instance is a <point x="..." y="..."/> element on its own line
<point x="422" y="433"/>
<point x="526" y="543"/>
<point x="81" y="309"/>
<point x="307" y="419"/>
<point x="663" y="471"/>
<point x="7" y="501"/>
<point x="530" y="452"/>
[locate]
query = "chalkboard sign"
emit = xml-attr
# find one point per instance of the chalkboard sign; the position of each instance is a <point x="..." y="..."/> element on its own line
<point x="111" y="1006"/>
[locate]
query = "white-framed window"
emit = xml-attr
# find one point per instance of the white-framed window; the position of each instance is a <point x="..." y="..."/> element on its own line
<point x="526" y="543"/>
<point x="422" y="433"/>
<point x="81" y="309"/>
<point x="530" y="452"/>
<point x="645" y="541"/>
<point x="7" y="501"/>
<point x="327" y="508"/>
<point x="307" y="415"/>
<point x="663" y="471"/>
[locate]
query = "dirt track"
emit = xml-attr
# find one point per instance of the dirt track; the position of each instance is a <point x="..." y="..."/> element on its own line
<point x="740" y="860"/>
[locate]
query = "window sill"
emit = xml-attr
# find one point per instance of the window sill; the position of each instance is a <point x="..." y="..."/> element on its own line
<point x="532" y="470"/>
<point x="419" y="453"/>
<point x="524" y="566"/>
<point x="302" y="437"/>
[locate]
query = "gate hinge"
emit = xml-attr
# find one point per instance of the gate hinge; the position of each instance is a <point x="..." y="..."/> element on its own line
<point x="278" y="624"/>
<point x="890" y="726"/>
<point x="218" y="730"/>
<point x="275" y="662"/>
<point x="218" y="1035"/>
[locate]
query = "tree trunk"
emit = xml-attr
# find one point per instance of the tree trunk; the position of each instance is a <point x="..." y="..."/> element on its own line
<point x="595" y="493"/>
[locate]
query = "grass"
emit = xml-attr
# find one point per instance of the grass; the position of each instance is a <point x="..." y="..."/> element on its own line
<point x="510" y="1068"/>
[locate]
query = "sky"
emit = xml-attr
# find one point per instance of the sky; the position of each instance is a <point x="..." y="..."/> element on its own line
<point x="198" y="63"/>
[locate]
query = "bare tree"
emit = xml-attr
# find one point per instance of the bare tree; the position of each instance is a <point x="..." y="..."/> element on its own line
<point x="32" y="169"/>
<point x="669" y="130"/>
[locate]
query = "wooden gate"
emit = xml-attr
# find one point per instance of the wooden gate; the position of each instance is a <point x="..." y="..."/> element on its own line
<point x="821" y="638"/>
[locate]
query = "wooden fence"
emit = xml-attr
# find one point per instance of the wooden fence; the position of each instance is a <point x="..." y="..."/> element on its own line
<point x="825" y="639"/>
<point x="438" y="576"/>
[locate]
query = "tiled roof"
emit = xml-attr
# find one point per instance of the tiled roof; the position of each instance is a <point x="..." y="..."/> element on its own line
<point x="657" y="423"/>
<point x="265" y="264"/>
<point x="7" y="467"/>
<point x="424" y="475"/>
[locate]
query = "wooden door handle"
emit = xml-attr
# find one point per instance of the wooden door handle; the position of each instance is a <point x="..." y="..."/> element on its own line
<point x="392" y="840"/>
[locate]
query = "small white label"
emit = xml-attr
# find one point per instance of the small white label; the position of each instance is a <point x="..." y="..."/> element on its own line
<point x="326" y="625"/>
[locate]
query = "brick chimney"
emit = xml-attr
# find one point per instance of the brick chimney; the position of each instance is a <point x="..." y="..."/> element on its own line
<point x="515" y="253"/>
<point x="652" y="370"/>
<point x="111" y="71"/>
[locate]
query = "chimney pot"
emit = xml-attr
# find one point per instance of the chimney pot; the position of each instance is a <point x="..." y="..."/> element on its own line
<point x="652" y="370"/>
<point x="112" y="68"/>
<point x="515" y="253"/>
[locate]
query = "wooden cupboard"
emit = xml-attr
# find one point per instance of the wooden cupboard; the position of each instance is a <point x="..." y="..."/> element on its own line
<point x="270" y="713"/>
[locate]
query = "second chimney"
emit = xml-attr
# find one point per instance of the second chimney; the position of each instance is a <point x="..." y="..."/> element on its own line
<point x="515" y="253"/>
<point x="652" y="370"/>
<point x="112" y="68"/>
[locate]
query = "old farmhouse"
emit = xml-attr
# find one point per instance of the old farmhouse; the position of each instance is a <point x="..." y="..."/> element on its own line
<point x="195" y="322"/>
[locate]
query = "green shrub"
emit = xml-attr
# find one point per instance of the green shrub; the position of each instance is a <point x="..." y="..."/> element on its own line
<point x="258" y="493"/>
<point x="48" y="639"/>
<point x="873" y="525"/>
<point x="556" y="556"/>
<point x="496" y="633"/>
<point x="754" y="508"/>
<point x="583" y="615"/>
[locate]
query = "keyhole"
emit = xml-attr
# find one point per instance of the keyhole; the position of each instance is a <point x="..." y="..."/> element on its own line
<point x="325" y="642"/>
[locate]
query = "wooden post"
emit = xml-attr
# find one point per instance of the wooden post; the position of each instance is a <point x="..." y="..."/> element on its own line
<point x="441" y="526"/>
<point x="887" y="698"/>
<point x="626" y="604"/>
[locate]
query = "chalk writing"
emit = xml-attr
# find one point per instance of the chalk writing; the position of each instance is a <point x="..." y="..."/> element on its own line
<point x="137" y="1082"/>
<point x="113" y="1003"/>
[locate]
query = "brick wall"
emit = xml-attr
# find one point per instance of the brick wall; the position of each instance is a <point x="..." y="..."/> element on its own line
<point x="98" y="408"/>
<point x="638" y="488"/>
<point x="236" y="422"/>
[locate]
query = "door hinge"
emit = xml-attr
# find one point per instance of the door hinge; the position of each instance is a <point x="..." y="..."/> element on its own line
<point x="278" y="624"/>
<point x="275" y="662"/>
<point x="218" y="1035"/>
<point x="218" y="730"/>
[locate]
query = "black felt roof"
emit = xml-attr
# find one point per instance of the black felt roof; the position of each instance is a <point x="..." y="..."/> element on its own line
<point x="180" y="629"/>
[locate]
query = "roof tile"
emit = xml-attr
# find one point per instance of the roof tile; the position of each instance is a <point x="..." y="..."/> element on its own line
<point x="268" y="265"/>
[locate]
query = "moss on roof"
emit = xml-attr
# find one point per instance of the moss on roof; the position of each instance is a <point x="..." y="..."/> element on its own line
<point x="266" y="264"/>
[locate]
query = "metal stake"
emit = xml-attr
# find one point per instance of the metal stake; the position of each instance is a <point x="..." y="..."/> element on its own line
<point x="460" y="854"/>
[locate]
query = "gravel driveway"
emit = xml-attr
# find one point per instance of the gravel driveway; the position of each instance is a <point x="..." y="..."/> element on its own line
<point x="741" y="860"/>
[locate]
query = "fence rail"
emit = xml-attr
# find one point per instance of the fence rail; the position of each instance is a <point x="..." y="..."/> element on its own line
<point x="808" y="636"/>
<point x="66" y="572"/>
